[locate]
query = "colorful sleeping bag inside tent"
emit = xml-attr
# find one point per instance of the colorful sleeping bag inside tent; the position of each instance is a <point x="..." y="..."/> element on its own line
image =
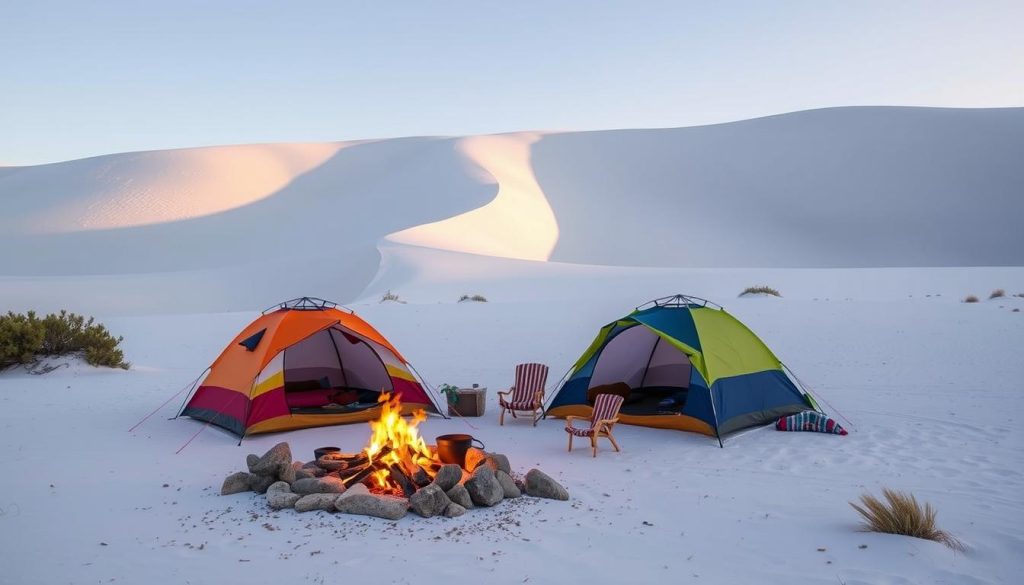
<point x="689" y="366"/>
<point x="304" y="364"/>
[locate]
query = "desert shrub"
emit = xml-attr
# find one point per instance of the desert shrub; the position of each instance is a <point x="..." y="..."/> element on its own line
<point x="389" y="296"/>
<point x="970" y="299"/>
<point x="762" y="290"/>
<point x="997" y="294"/>
<point x="23" y="337"/>
<point x="900" y="513"/>
<point x="477" y="298"/>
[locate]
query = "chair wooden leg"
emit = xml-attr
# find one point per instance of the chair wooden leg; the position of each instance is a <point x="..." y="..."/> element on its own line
<point x="593" y="443"/>
<point x="614" y="444"/>
<point x="501" y="417"/>
<point x="536" y="418"/>
<point x="570" y="441"/>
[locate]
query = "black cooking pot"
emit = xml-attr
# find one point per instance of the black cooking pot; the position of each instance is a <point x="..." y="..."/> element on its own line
<point x="453" y="448"/>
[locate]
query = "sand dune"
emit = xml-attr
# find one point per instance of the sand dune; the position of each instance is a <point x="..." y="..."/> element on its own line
<point x="518" y="223"/>
<point x="240" y="226"/>
<point x="855" y="187"/>
<point x="143" y="188"/>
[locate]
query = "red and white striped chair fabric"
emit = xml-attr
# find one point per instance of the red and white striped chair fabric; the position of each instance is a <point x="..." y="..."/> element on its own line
<point x="528" y="393"/>
<point x="604" y="417"/>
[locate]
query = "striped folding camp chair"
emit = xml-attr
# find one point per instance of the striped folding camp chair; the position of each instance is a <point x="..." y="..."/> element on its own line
<point x="604" y="417"/>
<point x="528" y="393"/>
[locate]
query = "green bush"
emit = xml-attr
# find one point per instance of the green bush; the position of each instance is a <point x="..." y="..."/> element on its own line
<point x="23" y="337"/>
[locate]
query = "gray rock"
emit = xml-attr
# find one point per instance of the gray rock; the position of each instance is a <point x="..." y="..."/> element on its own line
<point x="236" y="483"/>
<point x="260" y="483"/>
<point x="251" y="460"/>
<point x="286" y="473"/>
<point x="460" y="496"/>
<point x="312" y="502"/>
<point x="357" y="489"/>
<point x="429" y="501"/>
<point x="280" y="496"/>
<point x="274" y="460"/>
<point x="321" y="485"/>
<point x="306" y="486"/>
<point x="508" y="485"/>
<point x="448" y="476"/>
<point x="279" y="486"/>
<point x="282" y="500"/>
<point x="304" y="473"/>
<point x="313" y="470"/>
<point x="453" y="510"/>
<point x="500" y="463"/>
<point x="388" y="507"/>
<point x="331" y="485"/>
<point x="540" y="485"/>
<point x="483" y="488"/>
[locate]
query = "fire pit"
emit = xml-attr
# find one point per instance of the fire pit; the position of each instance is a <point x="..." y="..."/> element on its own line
<point x="396" y="459"/>
<point x="396" y="471"/>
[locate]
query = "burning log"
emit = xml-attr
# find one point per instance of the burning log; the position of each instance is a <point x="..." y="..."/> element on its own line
<point x="398" y="476"/>
<point x="420" y="477"/>
<point x="395" y="458"/>
<point x="359" y="476"/>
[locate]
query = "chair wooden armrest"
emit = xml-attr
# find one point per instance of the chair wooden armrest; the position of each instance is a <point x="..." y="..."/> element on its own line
<point x="538" y="397"/>
<point x="572" y="417"/>
<point x="506" y="392"/>
<point x="608" y="423"/>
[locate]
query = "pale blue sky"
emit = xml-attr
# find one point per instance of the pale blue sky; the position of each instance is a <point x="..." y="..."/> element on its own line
<point x="86" y="78"/>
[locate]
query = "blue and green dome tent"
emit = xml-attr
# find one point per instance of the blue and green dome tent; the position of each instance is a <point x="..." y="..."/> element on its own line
<point x="689" y="365"/>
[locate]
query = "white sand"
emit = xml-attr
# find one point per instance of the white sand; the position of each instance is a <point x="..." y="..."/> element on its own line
<point x="932" y="385"/>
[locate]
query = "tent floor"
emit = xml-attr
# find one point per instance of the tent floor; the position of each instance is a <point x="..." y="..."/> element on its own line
<point x="649" y="400"/>
<point x="340" y="409"/>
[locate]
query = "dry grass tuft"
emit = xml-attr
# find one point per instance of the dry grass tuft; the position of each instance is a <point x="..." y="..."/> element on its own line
<point x="475" y="298"/>
<point x="760" y="290"/>
<point x="997" y="294"/>
<point x="970" y="299"/>
<point x="900" y="513"/>
<point x="389" y="296"/>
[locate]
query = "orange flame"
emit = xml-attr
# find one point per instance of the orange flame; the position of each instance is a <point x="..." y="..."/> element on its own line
<point x="406" y="447"/>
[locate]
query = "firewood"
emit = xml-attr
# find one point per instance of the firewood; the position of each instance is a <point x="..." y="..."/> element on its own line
<point x="403" y="481"/>
<point x="420" y="477"/>
<point x="360" y="476"/>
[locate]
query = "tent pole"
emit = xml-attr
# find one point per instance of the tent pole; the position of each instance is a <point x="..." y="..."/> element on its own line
<point x="657" y="340"/>
<point x="714" y="413"/>
<point x="189" y="395"/>
<point x="337" y="352"/>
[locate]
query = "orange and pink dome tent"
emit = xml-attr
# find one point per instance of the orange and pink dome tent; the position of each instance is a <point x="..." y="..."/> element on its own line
<point x="304" y="363"/>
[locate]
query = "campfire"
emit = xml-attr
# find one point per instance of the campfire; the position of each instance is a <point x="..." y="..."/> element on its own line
<point x="396" y="472"/>
<point x="396" y="459"/>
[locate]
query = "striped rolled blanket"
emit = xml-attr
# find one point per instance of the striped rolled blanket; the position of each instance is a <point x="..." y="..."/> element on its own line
<point x="809" y="420"/>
